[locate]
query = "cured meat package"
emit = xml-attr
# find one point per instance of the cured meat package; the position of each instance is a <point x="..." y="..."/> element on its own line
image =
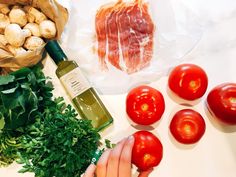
<point x="123" y="43"/>
<point x="124" y="33"/>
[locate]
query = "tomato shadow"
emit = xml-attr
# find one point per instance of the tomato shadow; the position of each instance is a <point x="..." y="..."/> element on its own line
<point x="217" y="123"/>
<point x="225" y="128"/>
<point x="180" y="145"/>
<point x="179" y="100"/>
<point x="144" y="127"/>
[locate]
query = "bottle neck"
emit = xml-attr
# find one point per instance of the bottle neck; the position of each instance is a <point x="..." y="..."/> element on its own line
<point x="55" y="51"/>
<point x="59" y="61"/>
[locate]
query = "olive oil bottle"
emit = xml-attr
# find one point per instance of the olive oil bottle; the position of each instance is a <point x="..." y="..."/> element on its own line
<point x="84" y="97"/>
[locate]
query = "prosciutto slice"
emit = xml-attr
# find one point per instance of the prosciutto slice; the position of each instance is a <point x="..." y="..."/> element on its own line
<point x="125" y="33"/>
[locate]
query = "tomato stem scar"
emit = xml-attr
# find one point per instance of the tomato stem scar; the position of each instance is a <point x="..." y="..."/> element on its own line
<point x="232" y="99"/>
<point x="193" y="84"/>
<point x="187" y="128"/>
<point x="144" y="107"/>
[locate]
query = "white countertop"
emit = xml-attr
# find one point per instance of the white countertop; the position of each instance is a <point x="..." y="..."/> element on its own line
<point x="215" y="154"/>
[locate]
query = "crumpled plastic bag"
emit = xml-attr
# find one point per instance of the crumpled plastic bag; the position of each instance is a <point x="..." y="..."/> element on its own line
<point x="177" y="32"/>
<point x="54" y="11"/>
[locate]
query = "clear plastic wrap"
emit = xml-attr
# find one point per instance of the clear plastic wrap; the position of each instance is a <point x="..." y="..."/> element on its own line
<point x="176" y="33"/>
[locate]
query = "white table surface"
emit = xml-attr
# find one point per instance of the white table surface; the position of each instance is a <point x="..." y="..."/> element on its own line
<point x="215" y="154"/>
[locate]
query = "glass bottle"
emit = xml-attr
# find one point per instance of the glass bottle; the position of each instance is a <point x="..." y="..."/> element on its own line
<point x="84" y="97"/>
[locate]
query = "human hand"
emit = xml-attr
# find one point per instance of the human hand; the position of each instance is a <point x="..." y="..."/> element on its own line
<point x="115" y="162"/>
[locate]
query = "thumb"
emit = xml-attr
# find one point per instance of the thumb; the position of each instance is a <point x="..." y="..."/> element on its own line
<point x="90" y="171"/>
<point x="145" y="173"/>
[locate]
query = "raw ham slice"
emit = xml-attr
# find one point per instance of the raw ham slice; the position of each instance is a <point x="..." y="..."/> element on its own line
<point x="113" y="36"/>
<point x="100" y="21"/>
<point x="125" y="33"/>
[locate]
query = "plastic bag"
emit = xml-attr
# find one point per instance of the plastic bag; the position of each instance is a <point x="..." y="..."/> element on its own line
<point x="55" y="12"/>
<point x="210" y="12"/>
<point x="176" y="34"/>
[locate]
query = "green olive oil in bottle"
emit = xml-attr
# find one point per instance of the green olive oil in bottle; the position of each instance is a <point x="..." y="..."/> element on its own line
<point x="84" y="97"/>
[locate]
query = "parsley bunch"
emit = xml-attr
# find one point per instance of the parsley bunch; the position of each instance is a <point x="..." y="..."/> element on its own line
<point x="58" y="144"/>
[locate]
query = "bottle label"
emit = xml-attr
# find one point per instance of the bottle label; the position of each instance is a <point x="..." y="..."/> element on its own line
<point x="75" y="83"/>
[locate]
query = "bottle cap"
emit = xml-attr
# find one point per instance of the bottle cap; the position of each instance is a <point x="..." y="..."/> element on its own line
<point x="55" y="51"/>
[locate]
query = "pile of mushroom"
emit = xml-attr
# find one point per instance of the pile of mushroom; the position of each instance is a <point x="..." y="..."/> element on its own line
<point x="24" y="28"/>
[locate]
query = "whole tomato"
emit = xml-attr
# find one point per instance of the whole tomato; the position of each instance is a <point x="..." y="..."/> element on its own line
<point x="188" y="81"/>
<point x="221" y="101"/>
<point x="145" y="105"/>
<point x="147" y="150"/>
<point x="187" y="126"/>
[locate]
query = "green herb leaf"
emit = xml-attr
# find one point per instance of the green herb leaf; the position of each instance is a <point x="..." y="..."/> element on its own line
<point x="2" y="121"/>
<point x="11" y="90"/>
<point x="109" y="144"/>
<point x="4" y="80"/>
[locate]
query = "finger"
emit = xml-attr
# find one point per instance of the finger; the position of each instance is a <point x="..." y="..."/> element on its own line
<point x="125" y="158"/>
<point x="113" y="161"/>
<point x="145" y="173"/>
<point x="101" y="170"/>
<point x="90" y="171"/>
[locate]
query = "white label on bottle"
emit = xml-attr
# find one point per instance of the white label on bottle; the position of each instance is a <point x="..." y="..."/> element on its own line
<point x="75" y="83"/>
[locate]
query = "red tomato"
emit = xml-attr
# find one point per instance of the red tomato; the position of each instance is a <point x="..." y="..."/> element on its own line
<point x="187" y="126"/>
<point x="188" y="81"/>
<point x="145" y="105"/>
<point x="147" y="151"/>
<point x="221" y="102"/>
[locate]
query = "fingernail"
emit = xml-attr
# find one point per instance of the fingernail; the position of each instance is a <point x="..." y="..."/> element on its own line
<point x="131" y="138"/>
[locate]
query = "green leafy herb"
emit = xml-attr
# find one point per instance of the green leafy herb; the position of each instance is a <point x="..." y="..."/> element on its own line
<point x="8" y="148"/>
<point x="23" y="95"/>
<point x="59" y="144"/>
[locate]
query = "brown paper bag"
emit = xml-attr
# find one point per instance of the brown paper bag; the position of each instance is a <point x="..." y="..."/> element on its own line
<point x="55" y="12"/>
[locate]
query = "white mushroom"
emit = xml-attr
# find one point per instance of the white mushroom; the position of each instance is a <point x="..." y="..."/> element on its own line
<point x="15" y="35"/>
<point x="3" y="40"/>
<point x="33" y="43"/>
<point x="4" y="21"/>
<point x="4" y="9"/>
<point x="34" y="28"/>
<point x="16" y="50"/>
<point x="18" y="16"/>
<point x="48" y="29"/>
<point x="34" y="15"/>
